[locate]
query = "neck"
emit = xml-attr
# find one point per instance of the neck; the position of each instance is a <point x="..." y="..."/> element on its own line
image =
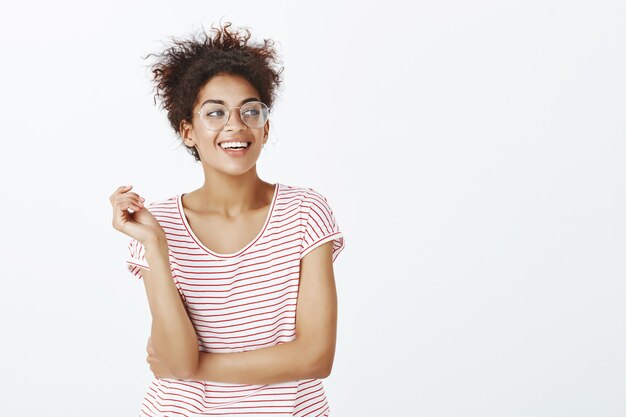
<point x="231" y="196"/>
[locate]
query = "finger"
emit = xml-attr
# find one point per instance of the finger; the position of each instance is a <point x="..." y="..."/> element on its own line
<point x="125" y="205"/>
<point x="123" y="191"/>
<point x="124" y="201"/>
<point x="133" y="194"/>
<point x="134" y="198"/>
<point x="118" y="190"/>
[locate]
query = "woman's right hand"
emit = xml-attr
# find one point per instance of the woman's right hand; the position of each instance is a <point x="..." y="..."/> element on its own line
<point x="141" y="224"/>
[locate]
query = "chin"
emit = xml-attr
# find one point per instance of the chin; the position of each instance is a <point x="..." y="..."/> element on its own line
<point x="236" y="171"/>
<point x="232" y="168"/>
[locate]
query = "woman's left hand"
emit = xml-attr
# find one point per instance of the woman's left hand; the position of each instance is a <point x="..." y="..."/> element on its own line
<point x="157" y="367"/>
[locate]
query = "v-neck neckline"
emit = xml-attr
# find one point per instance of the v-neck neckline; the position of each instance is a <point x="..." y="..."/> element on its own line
<point x="183" y="217"/>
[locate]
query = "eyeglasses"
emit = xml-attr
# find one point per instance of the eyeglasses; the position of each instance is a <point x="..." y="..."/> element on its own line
<point x="215" y="116"/>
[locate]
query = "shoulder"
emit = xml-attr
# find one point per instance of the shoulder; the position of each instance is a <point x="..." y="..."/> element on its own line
<point x="305" y="195"/>
<point x="162" y="207"/>
<point x="166" y="200"/>
<point x="309" y="202"/>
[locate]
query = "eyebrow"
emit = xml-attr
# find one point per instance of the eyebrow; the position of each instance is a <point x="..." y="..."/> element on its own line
<point x="245" y="100"/>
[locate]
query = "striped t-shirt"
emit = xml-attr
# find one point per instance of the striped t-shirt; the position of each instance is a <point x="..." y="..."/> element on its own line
<point x="242" y="301"/>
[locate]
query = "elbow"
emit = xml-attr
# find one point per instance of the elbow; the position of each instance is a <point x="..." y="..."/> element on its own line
<point x="186" y="369"/>
<point x="185" y="372"/>
<point x="190" y="371"/>
<point x="323" y="372"/>
<point x="322" y="367"/>
<point x="319" y="359"/>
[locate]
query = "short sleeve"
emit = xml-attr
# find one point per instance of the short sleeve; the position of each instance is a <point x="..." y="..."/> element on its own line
<point x="136" y="258"/>
<point x="320" y="225"/>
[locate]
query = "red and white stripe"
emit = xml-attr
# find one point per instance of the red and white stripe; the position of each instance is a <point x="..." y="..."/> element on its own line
<point x="242" y="301"/>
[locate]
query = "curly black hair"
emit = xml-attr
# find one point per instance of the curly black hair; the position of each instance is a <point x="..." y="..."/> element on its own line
<point x="182" y="69"/>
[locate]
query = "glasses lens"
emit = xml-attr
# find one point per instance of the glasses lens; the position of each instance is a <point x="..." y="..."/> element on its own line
<point x="254" y="114"/>
<point x="213" y="115"/>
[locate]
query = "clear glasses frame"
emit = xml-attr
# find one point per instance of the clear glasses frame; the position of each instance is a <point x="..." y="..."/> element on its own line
<point x="264" y="109"/>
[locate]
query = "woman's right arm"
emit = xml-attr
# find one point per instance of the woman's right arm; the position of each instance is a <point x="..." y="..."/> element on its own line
<point x="173" y="336"/>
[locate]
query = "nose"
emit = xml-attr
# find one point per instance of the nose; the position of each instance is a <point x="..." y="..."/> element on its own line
<point x="234" y="121"/>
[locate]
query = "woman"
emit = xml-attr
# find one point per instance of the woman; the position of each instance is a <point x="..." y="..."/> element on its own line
<point x="238" y="273"/>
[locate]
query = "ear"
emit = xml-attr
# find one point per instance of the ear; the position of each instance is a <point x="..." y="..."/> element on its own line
<point x="266" y="132"/>
<point x="185" y="129"/>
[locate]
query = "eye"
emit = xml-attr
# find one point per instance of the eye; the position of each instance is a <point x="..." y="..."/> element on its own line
<point x="252" y="112"/>
<point x="215" y="113"/>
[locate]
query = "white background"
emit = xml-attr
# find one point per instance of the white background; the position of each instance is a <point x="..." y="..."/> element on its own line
<point x="473" y="154"/>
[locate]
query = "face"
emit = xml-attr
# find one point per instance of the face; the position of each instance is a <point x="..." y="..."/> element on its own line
<point x="233" y="90"/>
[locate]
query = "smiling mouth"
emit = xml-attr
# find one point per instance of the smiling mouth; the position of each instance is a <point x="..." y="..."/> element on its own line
<point x="235" y="145"/>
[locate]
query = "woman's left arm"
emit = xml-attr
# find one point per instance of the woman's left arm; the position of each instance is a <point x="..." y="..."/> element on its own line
<point x="312" y="352"/>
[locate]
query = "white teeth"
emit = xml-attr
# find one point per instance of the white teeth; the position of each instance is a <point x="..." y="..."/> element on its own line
<point x="226" y="145"/>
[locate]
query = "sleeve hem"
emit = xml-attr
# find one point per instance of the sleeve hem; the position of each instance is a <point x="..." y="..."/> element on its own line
<point x="134" y="262"/>
<point x="333" y="236"/>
